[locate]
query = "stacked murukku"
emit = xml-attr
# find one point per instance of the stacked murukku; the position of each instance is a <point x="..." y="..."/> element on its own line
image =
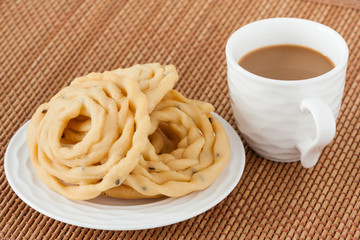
<point x="126" y="134"/>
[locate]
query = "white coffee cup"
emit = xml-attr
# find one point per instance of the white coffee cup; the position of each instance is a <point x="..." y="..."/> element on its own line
<point x="286" y="121"/>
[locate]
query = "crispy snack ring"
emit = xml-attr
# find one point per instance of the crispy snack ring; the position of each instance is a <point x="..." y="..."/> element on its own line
<point x="187" y="149"/>
<point x="154" y="79"/>
<point x="89" y="136"/>
<point x="126" y="192"/>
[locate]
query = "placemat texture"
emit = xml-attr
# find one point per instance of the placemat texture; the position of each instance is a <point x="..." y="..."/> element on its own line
<point x="45" y="44"/>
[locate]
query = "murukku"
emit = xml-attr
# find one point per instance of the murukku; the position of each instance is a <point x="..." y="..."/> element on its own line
<point x="155" y="80"/>
<point x="125" y="133"/>
<point x="187" y="149"/>
<point x="89" y="136"/>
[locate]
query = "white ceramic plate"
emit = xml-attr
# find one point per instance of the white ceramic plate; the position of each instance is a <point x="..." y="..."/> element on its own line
<point x="116" y="214"/>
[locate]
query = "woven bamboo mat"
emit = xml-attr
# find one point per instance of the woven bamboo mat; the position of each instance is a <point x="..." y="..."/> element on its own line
<point x="45" y="44"/>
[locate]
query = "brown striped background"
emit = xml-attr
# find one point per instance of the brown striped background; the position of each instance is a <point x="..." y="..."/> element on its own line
<point x="45" y="44"/>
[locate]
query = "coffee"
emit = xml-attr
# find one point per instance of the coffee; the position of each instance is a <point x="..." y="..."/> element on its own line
<point x="286" y="62"/>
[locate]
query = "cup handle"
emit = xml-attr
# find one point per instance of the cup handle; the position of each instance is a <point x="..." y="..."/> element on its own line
<point x="325" y="130"/>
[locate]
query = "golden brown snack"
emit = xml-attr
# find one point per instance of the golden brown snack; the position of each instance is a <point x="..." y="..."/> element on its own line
<point x="96" y="137"/>
<point x="187" y="149"/>
<point x="89" y="136"/>
<point x="126" y="192"/>
<point x="155" y="80"/>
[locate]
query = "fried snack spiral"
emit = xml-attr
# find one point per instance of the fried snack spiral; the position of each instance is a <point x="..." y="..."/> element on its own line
<point x="155" y="80"/>
<point x="89" y="136"/>
<point x="186" y="150"/>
